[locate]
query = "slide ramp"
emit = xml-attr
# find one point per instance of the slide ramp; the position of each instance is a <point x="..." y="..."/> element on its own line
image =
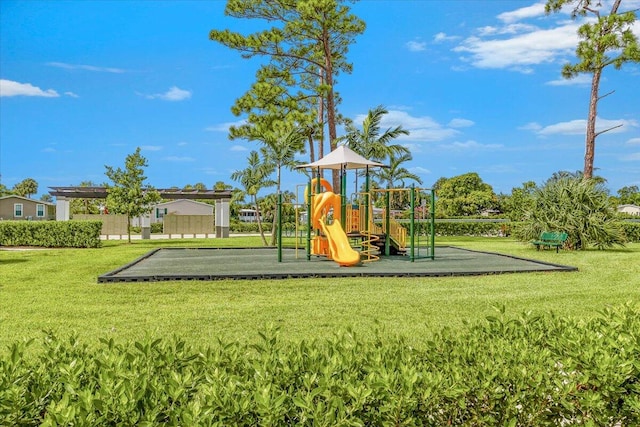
<point x="340" y="249"/>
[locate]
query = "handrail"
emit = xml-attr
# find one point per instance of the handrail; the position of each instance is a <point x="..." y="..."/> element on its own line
<point x="396" y="231"/>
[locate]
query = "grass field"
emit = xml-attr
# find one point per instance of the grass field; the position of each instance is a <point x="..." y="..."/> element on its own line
<point x="56" y="289"/>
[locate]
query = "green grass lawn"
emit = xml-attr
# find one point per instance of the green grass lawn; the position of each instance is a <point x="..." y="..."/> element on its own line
<point x="57" y="289"/>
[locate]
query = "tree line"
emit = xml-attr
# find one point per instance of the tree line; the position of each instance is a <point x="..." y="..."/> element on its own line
<point x="293" y="108"/>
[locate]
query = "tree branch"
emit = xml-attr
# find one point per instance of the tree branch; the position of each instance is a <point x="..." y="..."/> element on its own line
<point x="607" y="130"/>
<point x="605" y="95"/>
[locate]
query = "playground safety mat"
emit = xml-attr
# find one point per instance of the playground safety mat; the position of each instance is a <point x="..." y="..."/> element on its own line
<point x="262" y="263"/>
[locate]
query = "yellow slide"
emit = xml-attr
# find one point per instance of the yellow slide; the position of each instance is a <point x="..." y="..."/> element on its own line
<point x="339" y="248"/>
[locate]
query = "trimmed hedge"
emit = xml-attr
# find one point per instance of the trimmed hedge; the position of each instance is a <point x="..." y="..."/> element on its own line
<point x="51" y="234"/>
<point x="445" y="228"/>
<point x="631" y="231"/>
<point x="525" y="371"/>
<point x="467" y="228"/>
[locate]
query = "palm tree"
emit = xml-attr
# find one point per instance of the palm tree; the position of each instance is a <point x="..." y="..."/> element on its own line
<point x="26" y="188"/>
<point x="254" y="178"/>
<point x="396" y="172"/>
<point x="369" y="143"/>
<point x="280" y="149"/>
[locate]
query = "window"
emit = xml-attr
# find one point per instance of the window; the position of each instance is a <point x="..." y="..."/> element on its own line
<point x="40" y="210"/>
<point x="161" y="212"/>
<point x="17" y="210"/>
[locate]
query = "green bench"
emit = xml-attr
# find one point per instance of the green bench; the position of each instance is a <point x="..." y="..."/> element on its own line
<point x="550" y="239"/>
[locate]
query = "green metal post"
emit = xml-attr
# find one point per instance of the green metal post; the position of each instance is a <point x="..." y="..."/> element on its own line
<point x="309" y="221"/>
<point x="387" y="224"/>
<point x="343" y="196"/>
<point x="433" y="224"/>
<point x="366" y="202"/>
<point x="318" y="182"/>
<point x="412" y="220"/>
<point x="279" y="235"/>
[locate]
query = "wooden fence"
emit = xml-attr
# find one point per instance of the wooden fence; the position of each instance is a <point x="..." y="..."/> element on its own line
<point x="189" y="224"/>
<point x="111" y="224"/>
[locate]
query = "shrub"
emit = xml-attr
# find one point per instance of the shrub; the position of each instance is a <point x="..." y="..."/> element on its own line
<point x="631" y="231"/>
<point x="51" y="234"/>
<point x="524" y="371"/>
<point x="469" y="228"/>
<point x="579" y="207"/>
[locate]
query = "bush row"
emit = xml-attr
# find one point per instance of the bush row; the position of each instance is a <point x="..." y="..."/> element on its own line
<point x="445" y="228"/>
<point x="51" y="234"/>
<point x="156" y="228"/>
<point x="524" y="371"/>
<point x="632" y="231"/>
<point x="252" y="227"/>
<point x="450" y="228"/>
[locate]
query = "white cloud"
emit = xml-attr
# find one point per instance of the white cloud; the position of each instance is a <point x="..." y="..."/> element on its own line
<point x="419" y="170"/>
<point x="182" y="144"/>
<point x="488" y="30"/>
<point x="580" y="79"/>
<point x="416" y="46"/>
<point x="399" y="107"/>
<point x="473" y="145"/>
<point x="173" y="94"/>
<point x="514" y="43"/>
<point x="71" y="94"/>
<point x="86" y="67"/>
<point x="11" y="88"/>
<point x="238" y="148"/>
<point x="460" y="123"/>
<point x="413" y="147"/>
<point x="532" y="126"/>
<point x="519" y="53"/>
<point x="634" y="141"/>
<point x="578" y="127"/>
<point x="179" y="159"/>
<point x="48" y="150"/>
<point x="631" y="157"/>
<point x="224" y="127"/>
<point x="151" y="147"/>
<point x="533" y="11"/>
<point x="442" y="37"/>
<point x="507" y="29"/>
<point x="421" y="128"/>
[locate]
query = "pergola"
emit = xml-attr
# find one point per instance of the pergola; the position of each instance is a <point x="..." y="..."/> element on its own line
<point x="222" y="198"/>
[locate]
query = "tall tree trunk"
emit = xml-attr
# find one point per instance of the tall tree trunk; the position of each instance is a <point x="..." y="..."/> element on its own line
<point x="320" y="120"/>
<point x="275" y="210"/>
<point x="260" y="229"/>
<point x="331" y="105"/>
<point x="590" y="139"/>
<point x="312" y="152"/>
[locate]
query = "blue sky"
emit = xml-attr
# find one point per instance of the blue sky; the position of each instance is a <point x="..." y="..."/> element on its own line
<point x="477" y="83"/>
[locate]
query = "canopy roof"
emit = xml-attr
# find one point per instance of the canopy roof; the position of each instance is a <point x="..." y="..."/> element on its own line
<point x="341" y="157"/>
<point x="165" y="193"/>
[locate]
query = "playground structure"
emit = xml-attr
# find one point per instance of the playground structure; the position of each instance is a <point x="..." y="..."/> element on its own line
<point x="351" y="233"/>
